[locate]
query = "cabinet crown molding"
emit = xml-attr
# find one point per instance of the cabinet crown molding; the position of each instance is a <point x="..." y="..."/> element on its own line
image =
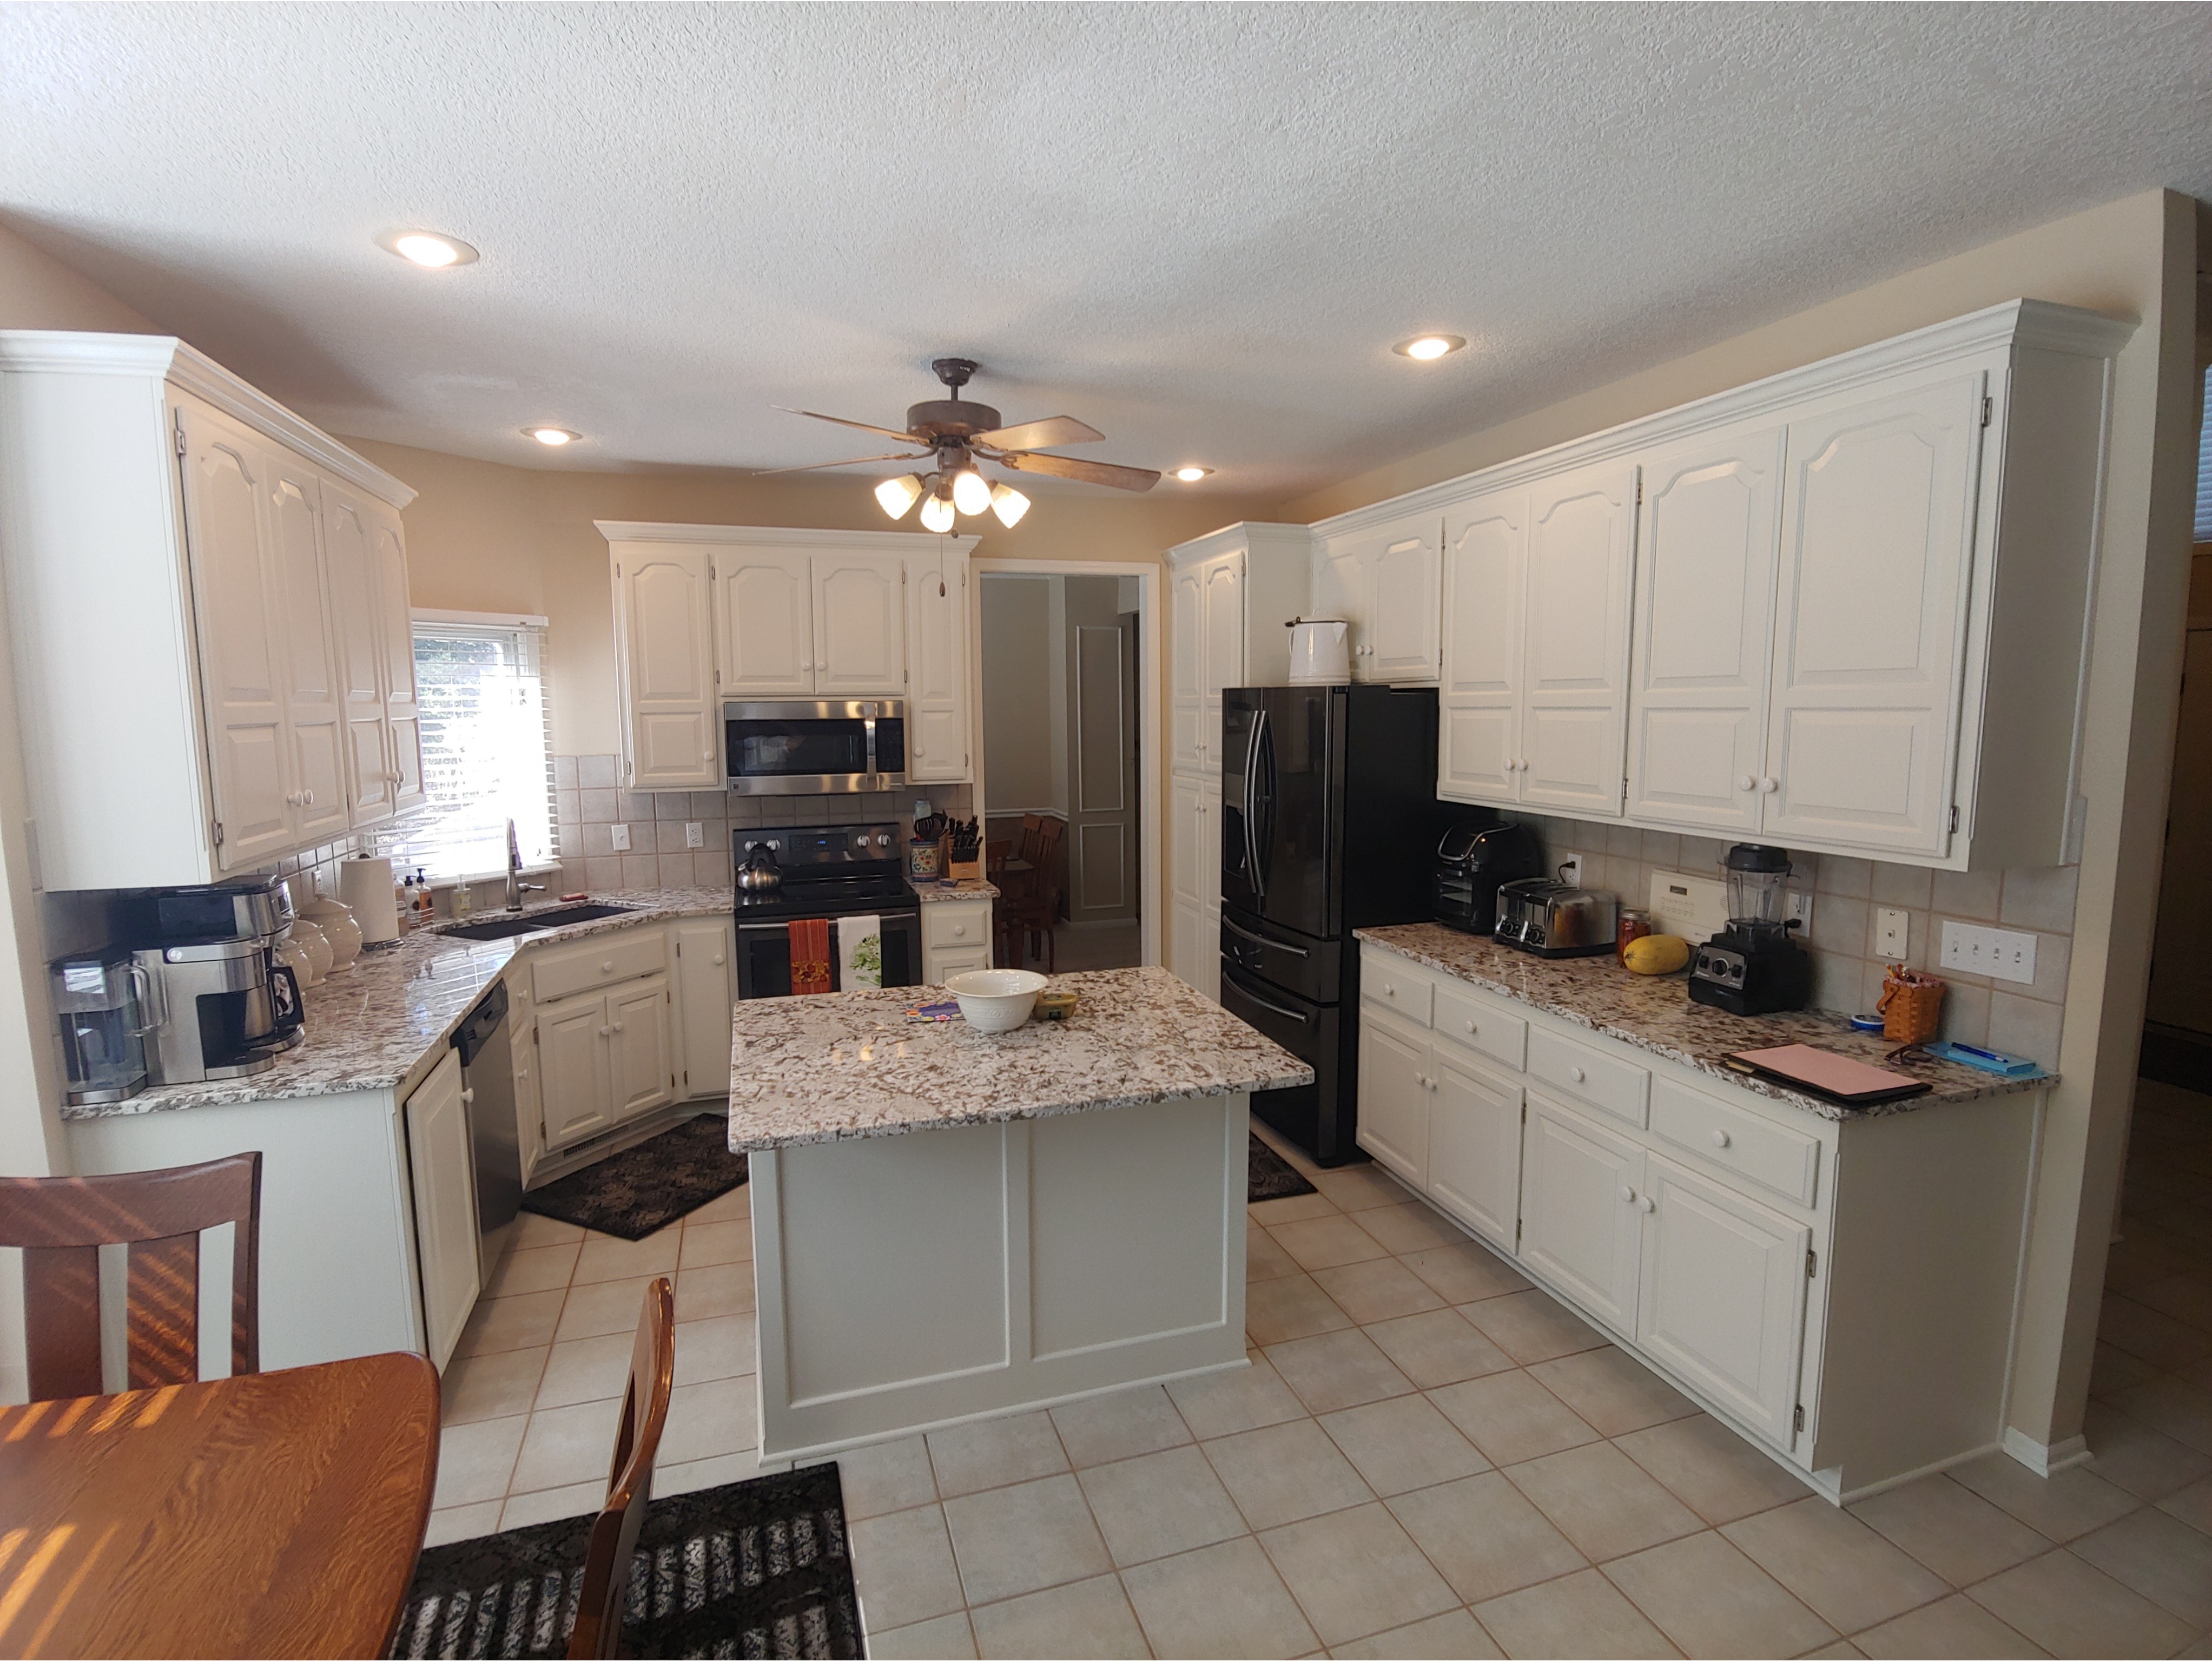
<point x="888" y="542"/>
<point x="166" y="357"/>
<point x="2036" y="323"/>
<point x="1246" y="533"/>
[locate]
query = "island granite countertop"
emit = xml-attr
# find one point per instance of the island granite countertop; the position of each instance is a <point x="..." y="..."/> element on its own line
<point x="380" y="1024"/>
<point x="836" y="1065"/>
<point x="1654" y="1013"/>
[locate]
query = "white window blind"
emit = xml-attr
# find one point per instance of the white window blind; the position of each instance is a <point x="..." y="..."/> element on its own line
<point x="2204" y="467"/>
<point x="487" y="752"/>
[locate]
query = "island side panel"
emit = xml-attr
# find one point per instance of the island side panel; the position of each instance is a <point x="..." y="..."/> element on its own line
<point x="912" y="1280"/>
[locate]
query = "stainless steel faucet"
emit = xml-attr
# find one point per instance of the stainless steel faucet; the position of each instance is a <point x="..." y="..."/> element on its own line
<point x="516" y="888"/>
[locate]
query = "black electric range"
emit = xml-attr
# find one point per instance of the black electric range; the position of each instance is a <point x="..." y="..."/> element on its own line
<point x="827" y="872"/>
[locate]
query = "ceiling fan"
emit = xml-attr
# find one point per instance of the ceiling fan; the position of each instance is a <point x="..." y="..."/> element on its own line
<point x="956" y="434"/>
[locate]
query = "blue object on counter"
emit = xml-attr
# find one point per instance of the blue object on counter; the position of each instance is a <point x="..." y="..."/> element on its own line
<point x="1990" y="1062"/>
<point x="1866" y="1024"/>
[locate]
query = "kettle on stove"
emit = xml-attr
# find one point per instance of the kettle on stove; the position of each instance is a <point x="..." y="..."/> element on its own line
<point x="760" y="873"/>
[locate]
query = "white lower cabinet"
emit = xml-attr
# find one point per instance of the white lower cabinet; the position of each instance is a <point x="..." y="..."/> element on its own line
<point x="573" y="1078"/>
<point x="955" y="938"/>
<point x="1394" y="1096"/>
<point x="705" y="995"/>
<point x="441" y="1164"/>
<point x="1582" y="1226"/>
<point x="1475" y="1144"/>
<point x="641" y="1061"/>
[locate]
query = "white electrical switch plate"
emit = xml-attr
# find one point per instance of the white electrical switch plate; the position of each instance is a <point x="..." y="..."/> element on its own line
<point x="621" y="839"/>
<point x="1570" y="870"/>
<point x="2007" y="954"/>
<point x="695" y="834"/>
<point x="1801" y="908"/>
<point x="1891" y="925"/>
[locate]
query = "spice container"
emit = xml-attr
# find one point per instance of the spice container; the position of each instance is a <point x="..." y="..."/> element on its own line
<point x="1633" y="926"/>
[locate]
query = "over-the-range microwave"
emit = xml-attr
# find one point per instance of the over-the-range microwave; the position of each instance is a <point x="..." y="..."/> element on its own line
<point x="812" y="746"/>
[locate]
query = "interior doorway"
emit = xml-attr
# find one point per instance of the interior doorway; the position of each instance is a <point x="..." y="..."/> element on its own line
<point x="1063" y="654"/>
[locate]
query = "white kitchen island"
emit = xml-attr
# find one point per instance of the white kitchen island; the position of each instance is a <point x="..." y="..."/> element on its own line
<point x="948" y="1224"/>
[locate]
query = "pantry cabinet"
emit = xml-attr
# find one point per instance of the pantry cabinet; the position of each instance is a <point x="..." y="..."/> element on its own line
<point x="936" y="740"/>
<point x="247" y="568"/>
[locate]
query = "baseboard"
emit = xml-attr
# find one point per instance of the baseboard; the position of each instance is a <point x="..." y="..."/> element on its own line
<point x="2046" y="1459"/>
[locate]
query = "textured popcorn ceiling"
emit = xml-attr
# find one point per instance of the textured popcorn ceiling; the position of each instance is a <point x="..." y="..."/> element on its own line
<point x="1197" y="227"/>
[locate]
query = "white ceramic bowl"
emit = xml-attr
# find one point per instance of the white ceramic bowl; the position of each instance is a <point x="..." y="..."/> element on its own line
<point x="996" y="1001"/>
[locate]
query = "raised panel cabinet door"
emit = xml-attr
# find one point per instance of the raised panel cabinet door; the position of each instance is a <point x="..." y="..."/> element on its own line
<point x="1722" y="1302"/>
<point x="242" y="669"/>
<point x="1394" y="1097"/>
<point x="1224" y="650"/>
<point x="707" y="996"/>
<point x="574" y="1091"/>
<point x="349" y="570"/>
<point x="1574" y="653"/>
<point x="1185" y="664"/>
<point x="1406" y="632"/>
<point x="402" y="711"/>
<point x="1194" y="946"/>
<point x="1474" y="1145"/>
<point x="936" y="705"/>
<point x="1478" y="724"/>
<point x="440" y="1161"/>
<point x="1185" y="827"/>
<point x="311" y="703"/>
<point x="641" y="1059"/>
<point x="1707" y="542"/>
<point x="1209" y="846"/>
<point x="664" y="621"/>
<point x="859" y="624"/>
<point x="766" y="622"/>
<point x="1877" y="539"/>
<point x="1580" y="1224"/>
<point x="1344" y="587"/>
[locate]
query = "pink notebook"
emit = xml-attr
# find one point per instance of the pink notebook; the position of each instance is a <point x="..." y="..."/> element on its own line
<point x="1824" y="1074"/>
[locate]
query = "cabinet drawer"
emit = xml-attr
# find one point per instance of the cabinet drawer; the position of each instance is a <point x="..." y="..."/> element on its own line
<point x="1589" y="1076"/>
<point x="954" y="925"/>
<point x="942" y="966"/>
<point x="598" y="962"/>
<point x="1398" y="987"/>
<point x="1738" y="1142"/>
<point x="1482" y="1027"/>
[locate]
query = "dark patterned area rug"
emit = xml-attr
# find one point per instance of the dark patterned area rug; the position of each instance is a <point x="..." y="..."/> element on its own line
<point x="757" y="1568"/>
<point x="1268" y="1176"/>
<point x="643" y="1189"/>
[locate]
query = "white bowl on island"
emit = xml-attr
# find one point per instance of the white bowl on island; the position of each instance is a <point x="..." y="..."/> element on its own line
<point x="996" y="1001"/>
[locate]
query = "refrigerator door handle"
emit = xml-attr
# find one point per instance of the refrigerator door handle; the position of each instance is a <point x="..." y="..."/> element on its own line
<point x="1260" y="940"/>
<point x="1252" y="803"/>
<point x="1303" y="1018"/>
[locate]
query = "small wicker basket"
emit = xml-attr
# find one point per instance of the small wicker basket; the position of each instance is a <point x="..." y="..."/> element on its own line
<point x="1911" y="1005"/>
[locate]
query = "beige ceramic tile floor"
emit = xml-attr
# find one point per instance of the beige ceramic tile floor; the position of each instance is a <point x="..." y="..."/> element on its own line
<point x="1426" y="1457"/>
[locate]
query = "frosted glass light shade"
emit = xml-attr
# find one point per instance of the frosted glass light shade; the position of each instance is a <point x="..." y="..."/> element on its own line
<point x="937" y="514"/>
<point x="1009" y="504"/>
<point x="971" y="491"/>
<point x="898" y="495"/>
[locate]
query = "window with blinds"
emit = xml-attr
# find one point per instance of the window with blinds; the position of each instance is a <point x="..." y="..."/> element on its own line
<point x="487" y="751"/>
<point x="2204" y="467"/>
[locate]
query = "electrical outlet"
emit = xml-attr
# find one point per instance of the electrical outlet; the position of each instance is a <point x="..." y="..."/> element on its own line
<point x="1570" y="870"/>
<point x="695" y="834"/>
<point x="2007" y="954"/>
<point x="1891" y="927"/>
<point x="622" y="839"/>
<point x="1801" y="908"/>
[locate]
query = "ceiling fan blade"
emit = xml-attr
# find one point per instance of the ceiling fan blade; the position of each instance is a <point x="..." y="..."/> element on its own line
<point x="1091" y="472"/>
<point x="1039" y="435"/>
<point x="865" y="427"/>
<point x="850" y="461"/>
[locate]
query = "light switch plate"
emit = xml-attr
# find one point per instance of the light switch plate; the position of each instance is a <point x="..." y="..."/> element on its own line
<point x="622" y="839"/>
<point x="1892" y="932"/>
<point x="695" y="834"/>
<point x="2007" y="954"/>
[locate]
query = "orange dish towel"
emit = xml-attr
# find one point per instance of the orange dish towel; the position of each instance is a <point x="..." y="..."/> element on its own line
<point x="809" y="955"/>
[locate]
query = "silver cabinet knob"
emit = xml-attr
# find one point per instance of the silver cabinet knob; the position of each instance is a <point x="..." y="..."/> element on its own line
<point x="1720" y="1138"/>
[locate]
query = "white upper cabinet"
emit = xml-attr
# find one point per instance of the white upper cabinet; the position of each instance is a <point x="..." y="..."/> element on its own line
<point x="1704" y="616"/>
<point x="312" y="708"/>
<point x="766" y="622"/>
<point x="1384" y="581"/>
<point x="357" y="633"/>
<point x="402" y="717"/>
<point x="1185" y="664"/>
<point x="1479" y="722"/>
<point x="937" y="702"/>
<point x="859" y="625"/>
<point x="1574" y="651"/>
<point x="1222" y="589"/>
<point x="664" y="638"/>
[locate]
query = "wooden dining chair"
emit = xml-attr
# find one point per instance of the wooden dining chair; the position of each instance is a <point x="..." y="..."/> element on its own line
<point x="1033" y="910"/>
<point x="605" y="1590"/>
<point x="61" y="1224"/>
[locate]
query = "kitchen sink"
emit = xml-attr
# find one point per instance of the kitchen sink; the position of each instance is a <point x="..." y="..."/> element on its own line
<point x="504" y="927"/>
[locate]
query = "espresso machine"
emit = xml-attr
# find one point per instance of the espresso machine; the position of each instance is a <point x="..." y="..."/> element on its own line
<point x="1754" y="966"/>
<point x="222" y="1007"/>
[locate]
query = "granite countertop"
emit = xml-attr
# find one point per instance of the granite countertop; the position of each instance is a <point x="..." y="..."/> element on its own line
<point x="381" y="1023"/>
<point x="973" y="888"/>
<point x="837" y="1065"/>
<point x="1654" y="1012"/>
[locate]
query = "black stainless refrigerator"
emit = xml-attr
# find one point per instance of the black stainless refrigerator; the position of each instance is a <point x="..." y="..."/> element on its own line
<point x="1329" y="823"/>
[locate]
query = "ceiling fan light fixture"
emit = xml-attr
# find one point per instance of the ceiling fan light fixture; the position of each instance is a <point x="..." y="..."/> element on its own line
<point x="1192" y="474"/>
<point x="971" y="491"/>
<point x="431" y="249"/>
<point x="553" y="437"/>
<point x="898" y="495"/>
<point x="1009" y="504"/>
<point x="1426" y="349"/>
<point x="937" y="514"/>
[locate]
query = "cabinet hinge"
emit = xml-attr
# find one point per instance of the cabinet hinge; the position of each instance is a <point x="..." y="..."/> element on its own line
<point x="180" y="432"/>
<point x="1954" y="816"/>
<point x="1797" y="1423"/>
<point x="1640" y="492"/>
<point x="218" y="833"/>
<point x="618" y="570"/>
<point x="1812" y="1263"/>
<point x="1989" y="409"/>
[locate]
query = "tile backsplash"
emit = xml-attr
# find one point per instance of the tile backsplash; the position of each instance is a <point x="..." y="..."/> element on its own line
<point x="1847" y="893"/>
<point x="588" y="806"/>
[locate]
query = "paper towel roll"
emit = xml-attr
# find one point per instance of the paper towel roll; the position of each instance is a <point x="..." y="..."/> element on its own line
<point x="365" y="884"/>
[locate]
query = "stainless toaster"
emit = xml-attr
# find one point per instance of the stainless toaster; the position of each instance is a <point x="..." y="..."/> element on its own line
<point x="1555" y="920"/>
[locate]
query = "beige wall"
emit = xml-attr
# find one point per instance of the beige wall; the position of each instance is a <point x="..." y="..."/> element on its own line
<point x="37" y="291"/>
<point x="1015" y="653"/>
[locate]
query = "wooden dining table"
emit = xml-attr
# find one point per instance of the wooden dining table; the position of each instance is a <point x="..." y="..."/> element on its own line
<point x="274" y="1514"/>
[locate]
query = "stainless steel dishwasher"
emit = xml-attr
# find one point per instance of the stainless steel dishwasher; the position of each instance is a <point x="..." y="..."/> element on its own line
<point x="488" y="1092"/>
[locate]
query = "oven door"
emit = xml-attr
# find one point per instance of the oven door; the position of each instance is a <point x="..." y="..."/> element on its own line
<point x="764" y="954"/>
<point x="810" y="748"/>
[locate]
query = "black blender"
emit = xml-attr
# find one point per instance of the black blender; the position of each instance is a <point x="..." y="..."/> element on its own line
<point x="1754" y="966"/>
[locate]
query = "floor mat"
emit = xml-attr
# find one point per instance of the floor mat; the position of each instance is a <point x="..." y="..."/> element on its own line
<point x="1268" y="1176"/>
<point x="646" y="1187"/>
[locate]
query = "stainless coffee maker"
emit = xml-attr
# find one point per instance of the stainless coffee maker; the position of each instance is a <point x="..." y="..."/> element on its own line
<point x="101" y="999"/>
<point x="224" y="1007"/>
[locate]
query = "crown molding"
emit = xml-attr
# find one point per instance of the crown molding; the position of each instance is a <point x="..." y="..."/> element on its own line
<point x="1253" y="535"/>
<point x="888" y="542"/>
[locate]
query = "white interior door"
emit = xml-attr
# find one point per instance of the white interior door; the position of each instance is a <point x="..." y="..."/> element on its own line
<point x="1186" y="665"/>
<point x="1478" y="726"/>
<point x="1224" y="649"/>
<point x="766" y="621"/>
<point x="1707" y="540"/>
<point x="349" y="568"/>
<point x="1474" y="1145"/>
<point x="313" y="707"/>
<point x="859" y="624"/>
<point x="1394" y="1096"/>
<point x="1877" y="540"/>
<point x="1580" y="1225"/>
<point x="937" y="744"/>
<point x="402" y="711"/>
<point x="1408" y="605"/>
<point x="668" y="667"/>
<point x="1574" y="653"/>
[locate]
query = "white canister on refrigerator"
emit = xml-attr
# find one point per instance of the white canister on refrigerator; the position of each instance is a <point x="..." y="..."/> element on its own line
<point x="1320" y="651"/>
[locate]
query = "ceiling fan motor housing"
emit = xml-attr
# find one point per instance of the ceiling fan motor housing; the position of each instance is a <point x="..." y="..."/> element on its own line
<point x="951" y="418"/>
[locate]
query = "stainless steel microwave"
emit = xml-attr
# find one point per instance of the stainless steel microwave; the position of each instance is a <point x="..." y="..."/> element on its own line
<point x="811" y="746"/>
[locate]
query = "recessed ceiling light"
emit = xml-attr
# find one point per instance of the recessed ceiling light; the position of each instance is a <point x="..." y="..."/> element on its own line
<point x="1426" y="347"/>
<point x="1192" y="475"/>
<point x="555" y="436"/>
<point x="428" y="249"/>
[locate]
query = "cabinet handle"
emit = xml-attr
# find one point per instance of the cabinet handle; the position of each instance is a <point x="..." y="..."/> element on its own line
<point x="705" y="755"/>
<point x="1768" y="787"/>
<point x="1577" y="1074"/>
<point x="1389" y="991"/>
<point x="604" y="1032"/>
<point x="718" y="959"/>
<point x="1470" y="1026"/>
<point x="607" y="968"/>
<point x="1748" y="782"/>
<point x="1645" y="1203"/>
<point x="1720" y="1138"/>
<point x="618" y="1026"/>
<point x="1627" y="1195"/>
<point x="959" y="930"/>
<point x="468" y="1093"/>
<point x="1433" y="1085"/>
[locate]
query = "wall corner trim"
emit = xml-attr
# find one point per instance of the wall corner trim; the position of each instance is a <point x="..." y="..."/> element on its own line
<point x="2046" y="1459"/>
